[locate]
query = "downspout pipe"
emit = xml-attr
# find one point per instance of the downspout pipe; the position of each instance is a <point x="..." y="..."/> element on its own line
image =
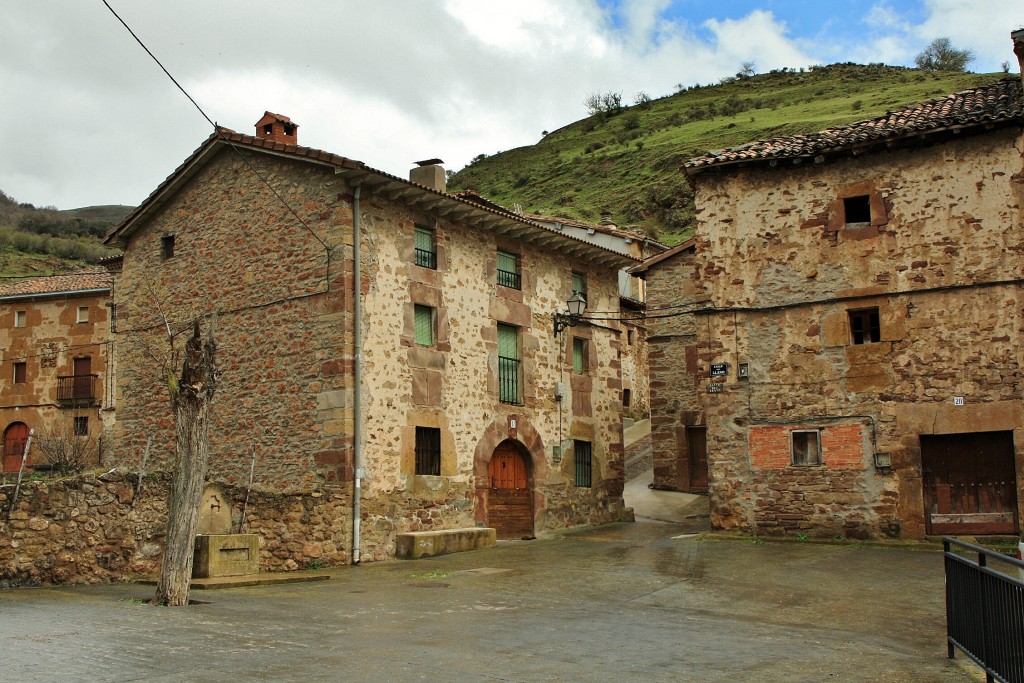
<point x="357" y="397"/>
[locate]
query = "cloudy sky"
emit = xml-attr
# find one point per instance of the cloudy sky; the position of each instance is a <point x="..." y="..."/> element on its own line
<point x="91" y="119"/>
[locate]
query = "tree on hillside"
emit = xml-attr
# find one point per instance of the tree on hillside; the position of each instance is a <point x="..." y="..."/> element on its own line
<point x="605" y="104"/>
<point x="940" y="55"/>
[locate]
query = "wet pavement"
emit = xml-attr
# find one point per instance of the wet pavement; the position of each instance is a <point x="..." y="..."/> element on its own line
<point x="648" y="601"/>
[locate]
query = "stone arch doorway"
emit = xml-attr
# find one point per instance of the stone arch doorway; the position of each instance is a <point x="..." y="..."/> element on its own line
<point x="15" y="437"/>
<point x="510" y="491"/>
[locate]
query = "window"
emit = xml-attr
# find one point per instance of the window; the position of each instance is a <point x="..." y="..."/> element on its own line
<point x="579" y="284"/>
<point x="424" y="317"/>
<point x="19" y="373"/>
<point x="629" y="337"/>
<point x="579" y="355"/>
<point x="627" y="395"/>
<point x="804" y="446"/>
<point x="582" y="458"/>
<point x="167" y="246"/>
<point x="864" y="327"/>
<point x="857" y="210"/>
<point x="425" y="245"/>
<point x="83" y="314"/>
<point x="20" y="318"/>
<point x="428" y="451"/>
<point x="508" y="364"/>
<point x="81" y="425"/>
<point x="508" y="270"/>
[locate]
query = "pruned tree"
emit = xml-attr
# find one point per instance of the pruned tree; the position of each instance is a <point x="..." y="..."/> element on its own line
<point x="65" y="451"/>
<point x="940" y="55"/>
<point x="190" y="393"/>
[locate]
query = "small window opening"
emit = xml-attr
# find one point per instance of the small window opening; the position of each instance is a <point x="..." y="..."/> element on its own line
<point x="579" y="355"/>
<point x="424" y="317"/>
<point x="19" y="373"/>
<point x="629" y="337"/>
<point x="167" y="246"/>
<point x="268" y="129"/>
<point x="83" y="314"/>
<point x="626" y="397"/>
<point x="20" y="318"/>
<point x="857" y="210"/>
<point x="864" y="326"/>
<point x="81" y="425"/>
<point x="425" y="246"/>
<point x="289" y="129"/>
<point x="583" y="461"/>
<point x="428" y="451"/>
<point x="806" y="448"/>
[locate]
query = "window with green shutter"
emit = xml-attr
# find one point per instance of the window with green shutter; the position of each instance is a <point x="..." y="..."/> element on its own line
<point x="426" y="247"/>
<point x="424" y="322"/>
<point x="508" y="364"/>
<point x="579" y="284"/>
<point x="508" y="270"/>
<point x="579" y="355"/>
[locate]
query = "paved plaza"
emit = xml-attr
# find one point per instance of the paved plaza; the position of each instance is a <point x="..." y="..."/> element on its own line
<point x="647" y="601"/>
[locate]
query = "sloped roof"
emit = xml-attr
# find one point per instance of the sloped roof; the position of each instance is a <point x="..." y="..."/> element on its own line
<point x="996" y="103"/>
<point x="640" y="270"/>
<point x="482" y="216"/>
<point x="52" y="285"/>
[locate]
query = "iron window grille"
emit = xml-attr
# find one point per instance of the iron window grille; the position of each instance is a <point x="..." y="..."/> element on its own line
<point x="583" y="461"/>
<point x="864" y="326"/>
<point x="509" y="389"/>
<point x="425" y="246"/>
<point x="428" y="451"/>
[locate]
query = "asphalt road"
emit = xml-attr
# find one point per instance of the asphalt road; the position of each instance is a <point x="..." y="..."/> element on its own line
<point x="645" y="601"/>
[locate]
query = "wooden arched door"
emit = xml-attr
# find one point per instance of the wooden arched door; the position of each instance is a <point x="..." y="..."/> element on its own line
<point x="15" y="437"/>
<point x="510" y="496"/>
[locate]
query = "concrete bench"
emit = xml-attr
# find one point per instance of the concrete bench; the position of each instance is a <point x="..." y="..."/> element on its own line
<point x="413" y="545"/>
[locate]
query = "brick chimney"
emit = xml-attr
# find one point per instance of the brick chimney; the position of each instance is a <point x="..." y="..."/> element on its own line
<point x="1018" y="48"/>
<point x="429" y="173"/>
<point x="277" y="128"/>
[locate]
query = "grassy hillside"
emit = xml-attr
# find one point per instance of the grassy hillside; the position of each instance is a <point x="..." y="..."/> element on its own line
<point x="627" y="162"/>
<point x="42" y="241"/>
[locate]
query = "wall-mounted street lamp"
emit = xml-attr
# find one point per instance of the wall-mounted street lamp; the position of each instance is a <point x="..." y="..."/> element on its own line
<point x="576" y="305"/>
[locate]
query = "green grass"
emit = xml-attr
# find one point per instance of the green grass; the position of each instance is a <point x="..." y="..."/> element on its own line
<point x="596" y="164"/>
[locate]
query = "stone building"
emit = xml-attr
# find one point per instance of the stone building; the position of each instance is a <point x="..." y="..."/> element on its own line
<point x="56" y="378"/>
<point x="461" y="409"/>
<point x="846" y="353"/>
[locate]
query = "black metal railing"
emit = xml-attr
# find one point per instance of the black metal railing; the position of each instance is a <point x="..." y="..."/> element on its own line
<point x="985" y="610"/>
<point x="76" y="388"/>
<point x="508" y="278"/>
<point x="426" y="258"/>
<point x="508" y="380"/>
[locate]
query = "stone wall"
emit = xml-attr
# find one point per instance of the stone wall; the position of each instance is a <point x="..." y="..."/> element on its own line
<point x="92" y="529"/>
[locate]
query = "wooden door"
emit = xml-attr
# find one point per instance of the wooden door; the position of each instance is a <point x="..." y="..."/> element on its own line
<point x="970" y="483"/>
<point x="697" y="445"/>
<point x="82" y="387"/>
<point x="509" y="497"/>
<point x="14" y="446"/>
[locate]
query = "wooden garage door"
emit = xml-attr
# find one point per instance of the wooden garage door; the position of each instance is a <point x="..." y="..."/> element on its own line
<point x="509" y="498"/>
<point x="970" y="485"/>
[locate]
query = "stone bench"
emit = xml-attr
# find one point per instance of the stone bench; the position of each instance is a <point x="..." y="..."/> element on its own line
<point x="413" y="545"/>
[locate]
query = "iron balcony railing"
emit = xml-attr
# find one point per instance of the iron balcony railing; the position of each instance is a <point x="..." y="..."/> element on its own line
<point x="508" y="380"/>
<point x="985" y="610"/>
<point x="508" y="278"/>
<point x="427" y="259"/>
<point x="76" y="388"/>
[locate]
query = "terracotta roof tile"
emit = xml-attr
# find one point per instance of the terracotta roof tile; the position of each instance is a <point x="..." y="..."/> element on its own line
<point x="995" y="103"/>
<point x="53" y="284"/>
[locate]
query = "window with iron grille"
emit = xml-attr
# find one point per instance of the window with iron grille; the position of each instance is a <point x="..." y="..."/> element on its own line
<point x="579" y="355"/>
<point x="509" y="389"/>
<point x="508" y="270"/>
<point x="864" y="326"/>
<point x="81" y="425"/>
<point x="424" y="317"/>
<point x="428" y="451"/>
<point x="425" y="244"/>
<point x="805" y="446"/>
<point x="579" y="284"/>
<point x="582" y="458"/>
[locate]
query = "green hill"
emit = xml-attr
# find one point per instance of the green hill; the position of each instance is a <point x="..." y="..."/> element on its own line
<point x="627" y="161"/>
<point x="43" y="241"/>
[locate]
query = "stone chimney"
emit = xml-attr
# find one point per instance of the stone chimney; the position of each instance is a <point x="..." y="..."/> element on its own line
<point x="1018" y="48"/>
<point x="429" y="173"/>
<point x="277" y="128"/>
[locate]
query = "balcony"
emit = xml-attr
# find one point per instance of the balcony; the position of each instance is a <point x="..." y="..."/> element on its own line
<point x="77" y="390"/>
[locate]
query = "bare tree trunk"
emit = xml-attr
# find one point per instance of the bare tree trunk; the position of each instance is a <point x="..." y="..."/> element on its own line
<point x="191" y="399"/>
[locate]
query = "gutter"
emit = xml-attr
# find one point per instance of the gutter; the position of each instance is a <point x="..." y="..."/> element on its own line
<point x="46" y="295"/>
<point x="357" y="399"/>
